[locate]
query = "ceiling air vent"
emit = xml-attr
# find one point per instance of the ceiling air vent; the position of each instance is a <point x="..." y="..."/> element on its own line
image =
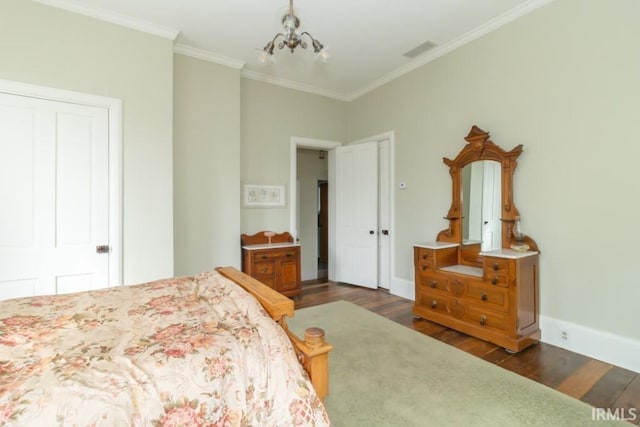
<point x="420" y="49"/>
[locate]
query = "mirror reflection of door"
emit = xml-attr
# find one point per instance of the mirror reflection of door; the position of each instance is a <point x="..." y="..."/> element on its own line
<point x="481" y="204"/>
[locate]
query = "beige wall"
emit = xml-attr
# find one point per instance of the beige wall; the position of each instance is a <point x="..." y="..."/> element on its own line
<point x="271" y="115"/>
<point x="311" y="169"/>
<point x="206" y="158"/>
<point x="50" y="47"/>
<point x="564" y="82"/>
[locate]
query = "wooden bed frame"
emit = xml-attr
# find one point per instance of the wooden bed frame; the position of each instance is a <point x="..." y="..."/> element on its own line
<point x="313" y="350"/>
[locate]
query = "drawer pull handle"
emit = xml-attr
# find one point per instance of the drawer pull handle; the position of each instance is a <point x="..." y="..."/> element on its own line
<point x="494" y="281"/>
<point x="434" y="283"/>
<point x="483" y="319"/>
<point x="434" y="304"/>
<point x="483" y="296"/>
<point x="424" y="256"/>
<point x="424" y="266"/>
<point x="265" y="269"/>
<point x="265" y="256"/>
<point x="495" y="266"/>
<point x="287" y="254"/>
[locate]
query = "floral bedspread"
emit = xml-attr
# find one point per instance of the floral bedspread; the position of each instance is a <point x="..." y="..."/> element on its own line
<point x="192" y="351"/>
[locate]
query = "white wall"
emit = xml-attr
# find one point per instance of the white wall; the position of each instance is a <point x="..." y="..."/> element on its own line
<point x="271" y="115"/>
<point x="564" y="82"/>
<point x="50" y="47"/>
<point x="206" y="158"/>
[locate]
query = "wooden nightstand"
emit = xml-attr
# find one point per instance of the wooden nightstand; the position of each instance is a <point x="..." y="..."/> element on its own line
<point x="273" y="259"/>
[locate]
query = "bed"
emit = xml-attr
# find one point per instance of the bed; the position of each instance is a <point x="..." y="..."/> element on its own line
<point x="211" y="349"/>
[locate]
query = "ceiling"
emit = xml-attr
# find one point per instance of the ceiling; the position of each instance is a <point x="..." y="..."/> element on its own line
<point x="366" y="39"/>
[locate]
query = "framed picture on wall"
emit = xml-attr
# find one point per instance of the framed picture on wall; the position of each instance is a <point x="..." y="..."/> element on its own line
<point x="263" y="195"/>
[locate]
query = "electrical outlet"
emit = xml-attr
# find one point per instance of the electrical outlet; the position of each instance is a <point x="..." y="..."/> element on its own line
<point x="564" y="336"/>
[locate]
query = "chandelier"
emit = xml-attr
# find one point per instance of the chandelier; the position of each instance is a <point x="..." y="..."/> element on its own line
<point x="291" y="38"/>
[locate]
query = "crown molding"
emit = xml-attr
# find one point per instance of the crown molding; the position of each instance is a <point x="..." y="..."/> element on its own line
<point x="182" y="49"/>
<point x="452" y="45"/>
<point x="113" y="18"/>
<point x="253" y="75"/>
<point x="206" y="55"/>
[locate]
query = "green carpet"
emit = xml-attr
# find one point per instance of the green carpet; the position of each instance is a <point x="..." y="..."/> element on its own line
<point x="385" y="374"/>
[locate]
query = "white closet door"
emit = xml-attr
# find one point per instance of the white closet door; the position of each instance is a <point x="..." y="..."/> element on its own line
<point x="54" y="190"/>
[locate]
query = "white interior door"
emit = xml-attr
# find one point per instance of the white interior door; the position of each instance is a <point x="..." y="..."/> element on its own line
<point x="357" y="214"/>
<point x="54" y="187"/>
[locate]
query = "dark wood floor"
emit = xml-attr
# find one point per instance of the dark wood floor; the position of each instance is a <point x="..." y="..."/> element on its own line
<point x="597" y="383"/>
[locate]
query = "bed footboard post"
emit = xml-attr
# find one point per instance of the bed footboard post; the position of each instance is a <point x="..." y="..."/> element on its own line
<point x="316" y="360"/>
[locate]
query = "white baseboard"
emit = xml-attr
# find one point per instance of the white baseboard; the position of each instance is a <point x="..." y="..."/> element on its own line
<point x="607" y="347"/>
<point x="403" y="288"/>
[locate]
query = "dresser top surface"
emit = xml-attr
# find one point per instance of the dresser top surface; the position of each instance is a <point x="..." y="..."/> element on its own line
<point x="464" y="269"/>
<point x="269" y="246"/>
<point x="436" y="245"/>
<point x="508" y="253"/>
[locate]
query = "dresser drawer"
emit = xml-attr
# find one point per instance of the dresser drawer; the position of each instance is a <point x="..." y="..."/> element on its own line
<point x="490" y="296"/>
<point x="486" y="318"/>
<point x="425" y="259"/>
<point x="433" y="282"/>
<point x="496" y="271"/>
<point x="498" y="266"/>
<point x="274" y="253"/>
<point x="432" y="301"/>
<point x="457" y="287"/>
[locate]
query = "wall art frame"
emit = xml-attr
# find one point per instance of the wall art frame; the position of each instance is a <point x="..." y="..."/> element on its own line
<point x="263" y="196"/>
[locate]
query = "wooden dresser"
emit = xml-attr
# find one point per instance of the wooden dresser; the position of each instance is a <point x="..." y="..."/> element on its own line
<point x="480" y="276"/>
<point x="273" y="259"/>
<point x="497" y="302"/>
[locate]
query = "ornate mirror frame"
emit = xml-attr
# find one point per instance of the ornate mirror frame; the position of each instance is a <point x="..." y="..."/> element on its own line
<point x="480" y="147"/>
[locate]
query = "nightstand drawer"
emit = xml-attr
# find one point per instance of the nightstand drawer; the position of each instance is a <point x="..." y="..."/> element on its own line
<point x="271" y="254"/>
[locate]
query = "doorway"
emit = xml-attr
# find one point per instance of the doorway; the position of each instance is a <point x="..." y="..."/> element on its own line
<point x="312" y="168"/>
<point x="304" y="197"/>
<point x="386" y="259"/>
<point x="323" y="230"/>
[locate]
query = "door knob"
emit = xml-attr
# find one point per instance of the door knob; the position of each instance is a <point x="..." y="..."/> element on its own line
<point x="372" y="232"/>
<point x="103" y="249"/>
<point x="385" y="232"/>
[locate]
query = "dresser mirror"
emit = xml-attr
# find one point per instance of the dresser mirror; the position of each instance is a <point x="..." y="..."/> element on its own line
<point x="482" y="212"/>
<point x="481" y="189"/>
